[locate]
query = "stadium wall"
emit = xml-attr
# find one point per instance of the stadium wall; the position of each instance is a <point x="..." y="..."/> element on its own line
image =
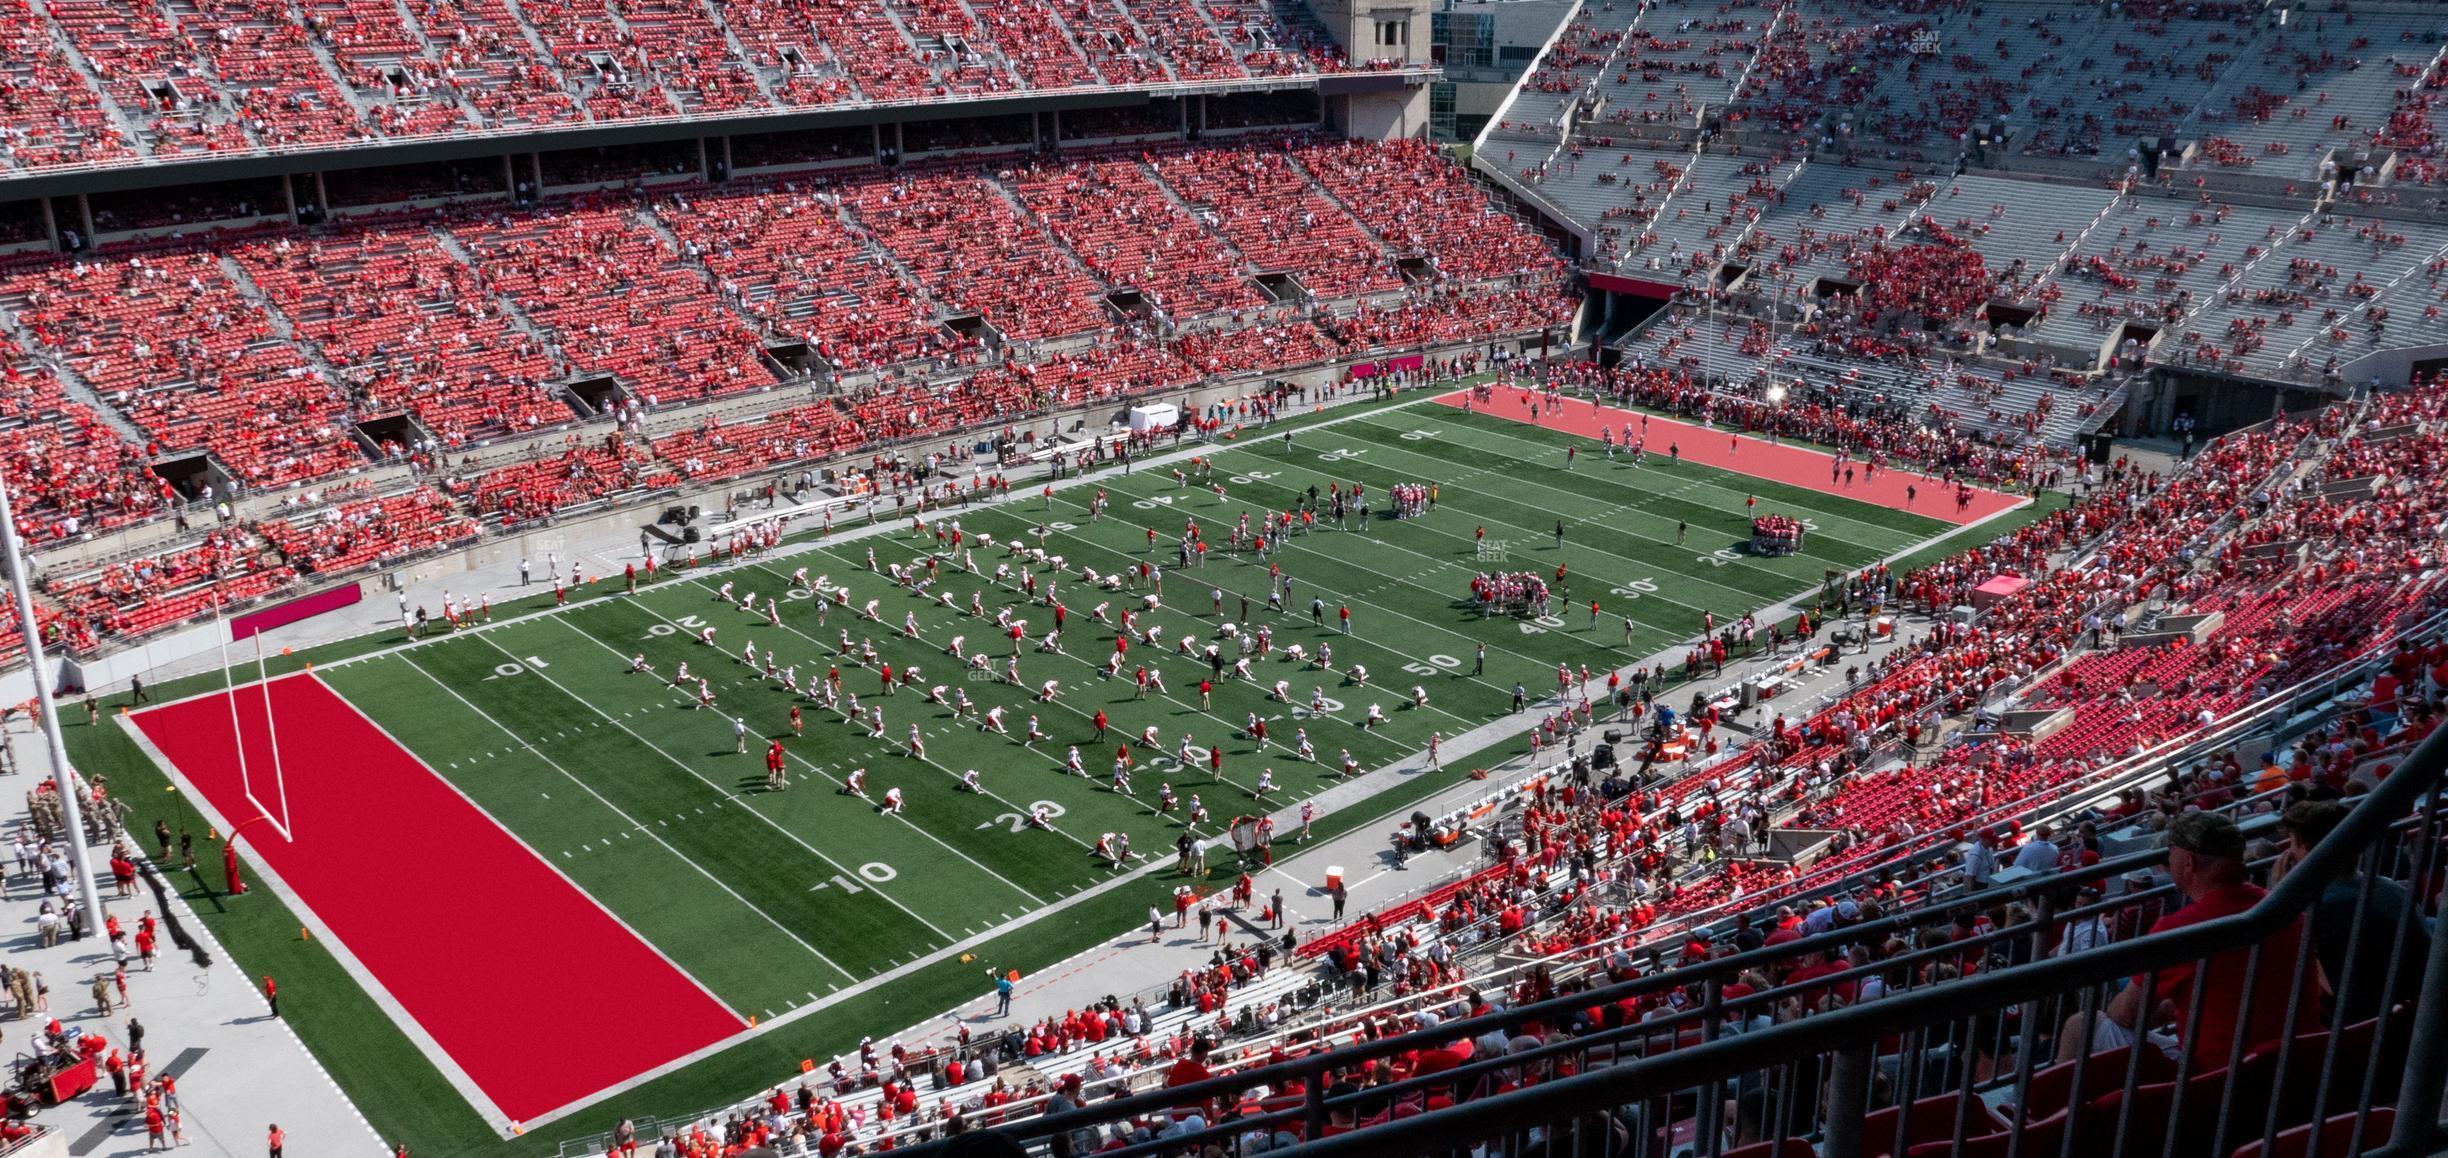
<point x="1398" y="111"/>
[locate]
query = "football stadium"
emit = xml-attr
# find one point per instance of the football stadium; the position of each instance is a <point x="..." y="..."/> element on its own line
<point x="1765" y="578"/>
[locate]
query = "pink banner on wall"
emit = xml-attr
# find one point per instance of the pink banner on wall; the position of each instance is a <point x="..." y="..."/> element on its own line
<point x="304" y="607"/>
<point x="1388" y="366"/>
<point x="1637" y="287"/>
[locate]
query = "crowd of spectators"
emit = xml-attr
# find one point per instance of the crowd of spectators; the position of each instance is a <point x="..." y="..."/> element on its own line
<point x="1932" y="281"/>
<point x="1875" y="434"/>
<point x="369" y="532"/>
<point x="234" y="75"/>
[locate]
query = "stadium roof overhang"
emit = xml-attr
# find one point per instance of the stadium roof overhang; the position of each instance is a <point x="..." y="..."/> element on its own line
<point x="164" y="173"/>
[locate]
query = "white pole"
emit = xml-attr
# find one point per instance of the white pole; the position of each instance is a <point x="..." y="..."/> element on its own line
<point x="272" y="729"/>
<point x="229" y="695"/>
<point x="72" y="817"/>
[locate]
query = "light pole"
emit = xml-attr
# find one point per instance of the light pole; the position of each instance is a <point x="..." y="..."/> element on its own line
<point x="72" y="818"/>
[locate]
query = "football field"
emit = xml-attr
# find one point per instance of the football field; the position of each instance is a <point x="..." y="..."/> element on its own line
<point x="507" y="819"/>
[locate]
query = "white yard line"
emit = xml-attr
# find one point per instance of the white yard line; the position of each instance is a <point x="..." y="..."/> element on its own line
<point x="616" y="810"/>
<point x="723" y="797"/>
<point x="813" y="770"/>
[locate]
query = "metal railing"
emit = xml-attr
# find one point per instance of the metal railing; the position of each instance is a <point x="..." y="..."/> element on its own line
<point x="1951" y="1042"/>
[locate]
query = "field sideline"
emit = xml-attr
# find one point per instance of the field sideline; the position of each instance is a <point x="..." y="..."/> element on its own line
<point x="823" y="919"/>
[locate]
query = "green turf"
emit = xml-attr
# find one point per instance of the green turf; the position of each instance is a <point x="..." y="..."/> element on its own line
<point x="641" y="800"/>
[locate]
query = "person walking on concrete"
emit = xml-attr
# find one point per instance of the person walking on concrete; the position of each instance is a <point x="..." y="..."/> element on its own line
<point x="1340" y="895"/>
<point x="272" y="998"/>
<point x="1003" y="995"/>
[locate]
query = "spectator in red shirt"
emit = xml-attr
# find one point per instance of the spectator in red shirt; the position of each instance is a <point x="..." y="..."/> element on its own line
<point x="1190" y="1069"/>
<point x="2206" y="858"/>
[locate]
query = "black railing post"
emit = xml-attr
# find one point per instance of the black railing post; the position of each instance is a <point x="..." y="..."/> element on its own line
<point x="2418" y="1092"/>
<point x="1712" y="1096"/>
<point x="1848" y="1102"/>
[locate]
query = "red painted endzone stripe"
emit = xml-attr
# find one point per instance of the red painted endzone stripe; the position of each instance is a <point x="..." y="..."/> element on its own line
<point x="1796" y="466"/>
<point x="536" y="992"/>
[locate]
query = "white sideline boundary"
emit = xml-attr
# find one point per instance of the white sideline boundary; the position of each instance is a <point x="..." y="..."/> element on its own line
<point x="879" y="522"/>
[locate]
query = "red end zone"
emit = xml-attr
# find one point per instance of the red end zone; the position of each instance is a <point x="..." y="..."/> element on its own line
<point x="1797" y="466"/>
<point x="530" y="987"/>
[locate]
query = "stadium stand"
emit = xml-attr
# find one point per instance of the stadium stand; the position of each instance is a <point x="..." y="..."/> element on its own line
<point x="175" y="346"/>
<point x="1254" y="196"/>
<point x="413" y="329"/>
<point x="1952" y="237"/>
<point x="347" y="536"/>
<point x="653" y="318"/>
<point x="787" y="258"/>
<point x="70" y="470"/>
<point x="969" y="245"/>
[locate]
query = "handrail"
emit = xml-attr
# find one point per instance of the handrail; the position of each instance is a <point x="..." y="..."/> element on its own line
<point x="1721" y="1059"/>
<point x="1852" y="1027"/>
<point x="2220" y="734"/>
